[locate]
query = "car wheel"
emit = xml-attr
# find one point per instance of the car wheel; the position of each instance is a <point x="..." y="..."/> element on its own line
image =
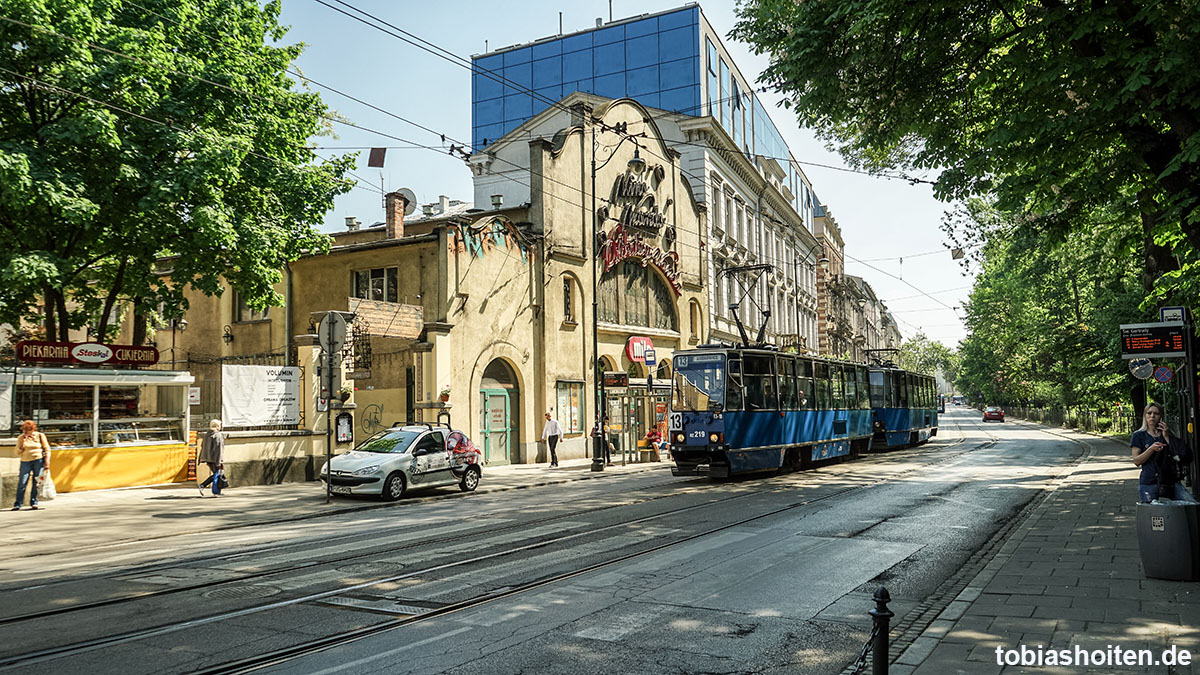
<point x="393" y="487"/>
<point x="470" y="479"/>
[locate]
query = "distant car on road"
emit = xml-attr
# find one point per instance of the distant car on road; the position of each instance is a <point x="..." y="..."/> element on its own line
<point x="403" y="458"/>
<point x="993" y="413"/>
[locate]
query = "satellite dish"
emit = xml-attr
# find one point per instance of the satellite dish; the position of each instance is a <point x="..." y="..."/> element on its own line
<point x="410" y="198"/>
<point x="1141" y="368"/>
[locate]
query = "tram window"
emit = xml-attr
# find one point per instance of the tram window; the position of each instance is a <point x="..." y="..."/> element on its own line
<point x="878" y="390"/>
<point x="805" y="398"/>
<point x="838" y="399"/>
<point x="804" y="368"/>
<point x="851" y="388"/>
<point x="733" y="387"/>
<point x="759" y="378"/>
<point x="900" y="390"/>
<point x="821" y="385"/>
<point x="787" y="383"/>
<point x="864" y="397"/>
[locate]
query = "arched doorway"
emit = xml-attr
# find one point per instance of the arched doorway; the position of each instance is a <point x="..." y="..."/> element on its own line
<point x="501" y="409"/>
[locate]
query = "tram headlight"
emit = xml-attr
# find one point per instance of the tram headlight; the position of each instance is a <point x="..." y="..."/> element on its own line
<point x="679" y="438"/>
<point x="714" y="437"/>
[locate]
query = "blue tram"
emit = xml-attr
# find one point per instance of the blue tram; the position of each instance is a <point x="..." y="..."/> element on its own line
<point x="737" y="410"/>
<point x="904" y="407"/>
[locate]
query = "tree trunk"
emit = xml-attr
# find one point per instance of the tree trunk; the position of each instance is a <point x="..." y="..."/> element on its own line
<point x="110" y="300"/>
<point x="1158" y="259"/>
<point x="139" y="322"/>
<point x="48" y="313"/>
<point x="64" y="325"/>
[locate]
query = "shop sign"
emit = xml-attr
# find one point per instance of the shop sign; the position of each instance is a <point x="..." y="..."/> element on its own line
<point x="85" y="352"/>
<point x="638" y="347"/>
<point x="619" y="245"/>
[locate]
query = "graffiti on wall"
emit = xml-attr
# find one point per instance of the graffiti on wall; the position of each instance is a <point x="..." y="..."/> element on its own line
<point x="497" y="233"/>
<point x="372" y="419"/>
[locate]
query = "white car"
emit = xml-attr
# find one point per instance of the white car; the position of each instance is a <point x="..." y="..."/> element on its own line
<point x="402" y="458"/>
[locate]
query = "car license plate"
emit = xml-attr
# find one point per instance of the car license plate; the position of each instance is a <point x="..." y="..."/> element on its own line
<point x="341" y="489"/>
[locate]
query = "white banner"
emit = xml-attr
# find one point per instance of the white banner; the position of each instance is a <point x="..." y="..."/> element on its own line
<point x="259" y="395"/>
<point x="6" y="396"/>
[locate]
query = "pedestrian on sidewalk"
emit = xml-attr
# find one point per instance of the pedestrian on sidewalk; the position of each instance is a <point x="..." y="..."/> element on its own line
<point x="212" y="453"/>
<point x="34" y="451"/>
<point x="1161" y="457"/>
<point x="601" y="429"/>
<point x="552" y="434"/>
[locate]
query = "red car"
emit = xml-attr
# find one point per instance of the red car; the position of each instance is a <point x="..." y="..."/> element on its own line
<point x="993" y="413"/>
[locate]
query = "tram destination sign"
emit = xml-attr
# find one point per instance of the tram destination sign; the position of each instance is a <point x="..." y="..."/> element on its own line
<point x="1153" y="340"/>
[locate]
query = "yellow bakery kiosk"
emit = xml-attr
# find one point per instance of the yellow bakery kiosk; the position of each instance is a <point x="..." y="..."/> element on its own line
<point x="106" y="427"/>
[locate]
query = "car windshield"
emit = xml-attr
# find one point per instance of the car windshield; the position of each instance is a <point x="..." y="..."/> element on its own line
<point x="394" y="441"/>
<point x="699" y="382"/>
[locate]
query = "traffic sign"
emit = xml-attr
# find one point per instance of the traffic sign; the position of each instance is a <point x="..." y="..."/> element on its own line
<point x="648" y="356"/>
<point x="1163" y="374"/>
<point x="1172" y="314"/>
<point x="332" y="332"/>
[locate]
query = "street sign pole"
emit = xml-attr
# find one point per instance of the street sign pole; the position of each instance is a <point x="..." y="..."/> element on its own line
<point x="329" y="410"/>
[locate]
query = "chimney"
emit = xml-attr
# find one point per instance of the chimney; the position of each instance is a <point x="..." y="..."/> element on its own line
<point x="395" y="204"/>
<point x="352" y="223"/>
<point x="444" y="202"/>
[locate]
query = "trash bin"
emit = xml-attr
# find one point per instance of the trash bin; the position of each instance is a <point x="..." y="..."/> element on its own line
<point x="1169" y="540"/>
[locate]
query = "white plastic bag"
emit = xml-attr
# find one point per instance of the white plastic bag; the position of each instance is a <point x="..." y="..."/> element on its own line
<point x="46" y="489"/>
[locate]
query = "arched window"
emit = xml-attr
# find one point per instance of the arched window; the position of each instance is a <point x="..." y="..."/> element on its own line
<point x="633" y="295"/>
<point x="570" y="299"/>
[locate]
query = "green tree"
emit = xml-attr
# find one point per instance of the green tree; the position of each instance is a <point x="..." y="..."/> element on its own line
<point x="1064" y="112"/>
<point x="146" y="147"/>
<point x="922" y="355"/>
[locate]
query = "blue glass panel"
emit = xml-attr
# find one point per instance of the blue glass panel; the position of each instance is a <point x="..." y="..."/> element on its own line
<point x="510" y="125"/>
<point x="517" y="56"/>
<point x="612" y="86"/>
<point x="643" y="27"/>
<point x="547" y="49"/>
<point x="552" y="94"/>
<point x="641" y="51"/>
<point x="681" y="73"/>
<point x="494" y="62"/>
<point x="608" y="58"/>
<point x="676" y="44"/>
<point x="641" y="81"/>
<point x="490" y="133"/>
<point x="608" y="35"/>
<point x="681" y="100"/>
<point x="577" y="65"/>
<point x="586" y="86"/>
<point x="518" y="106"/>
<point x="686" y="17"/>
<point x="649" y="100"/>
<point x="486" y="85"/>
<point x="518" y="76"/>
<point x="722" y="100"/>
<point x="577" y="42"/>
<point x="547" y="72"/>
<point x="489" y="111"/>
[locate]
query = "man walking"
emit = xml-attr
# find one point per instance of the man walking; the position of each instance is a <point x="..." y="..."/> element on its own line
<point x="551" y="433"/>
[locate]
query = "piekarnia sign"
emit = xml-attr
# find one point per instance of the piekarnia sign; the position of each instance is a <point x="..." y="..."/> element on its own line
<point x="93" y="353"/>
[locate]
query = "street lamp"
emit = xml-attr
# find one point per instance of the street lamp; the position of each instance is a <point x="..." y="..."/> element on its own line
<point x="637" y="164"/>
<point x="176" y="325"/>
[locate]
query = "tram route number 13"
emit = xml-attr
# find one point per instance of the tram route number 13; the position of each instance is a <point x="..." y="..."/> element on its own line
<point x="676" y="421"/>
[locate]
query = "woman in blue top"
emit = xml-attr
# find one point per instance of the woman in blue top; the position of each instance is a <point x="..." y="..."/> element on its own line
<point x="1157" y="453"/>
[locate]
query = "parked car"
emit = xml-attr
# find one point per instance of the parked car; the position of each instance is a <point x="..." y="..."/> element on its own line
<point x="993" y="413"/>
<point x="403" y="458"/>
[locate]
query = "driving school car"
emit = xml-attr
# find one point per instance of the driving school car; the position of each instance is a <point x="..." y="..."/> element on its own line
<point x="403" y="458"/>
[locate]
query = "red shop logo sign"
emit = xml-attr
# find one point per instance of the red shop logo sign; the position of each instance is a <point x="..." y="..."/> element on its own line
<point x="34" y="351"/>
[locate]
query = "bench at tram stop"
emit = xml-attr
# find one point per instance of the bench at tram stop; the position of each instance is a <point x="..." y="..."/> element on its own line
<point x="647" y="452"/>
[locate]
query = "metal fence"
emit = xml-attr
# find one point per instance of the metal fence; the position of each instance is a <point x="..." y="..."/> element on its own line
<point x="207" y="371"/>
<point x="1120" y="420"/>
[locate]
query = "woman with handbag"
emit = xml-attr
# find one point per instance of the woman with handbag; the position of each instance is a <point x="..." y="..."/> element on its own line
<point x="212" y="453"/>
<point x="34" y="451"/>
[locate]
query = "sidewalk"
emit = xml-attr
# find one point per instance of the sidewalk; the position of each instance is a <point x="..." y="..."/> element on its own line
<point x="80" y="520"/>
<point x="1070" y="575"/>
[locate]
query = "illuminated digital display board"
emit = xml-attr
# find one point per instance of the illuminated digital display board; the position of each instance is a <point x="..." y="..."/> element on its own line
<point x="1150" y="340"/>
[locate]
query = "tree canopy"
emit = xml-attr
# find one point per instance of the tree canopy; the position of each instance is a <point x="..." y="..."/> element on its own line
<point x="149" y="146"/>
<point x="1064" y="112"/>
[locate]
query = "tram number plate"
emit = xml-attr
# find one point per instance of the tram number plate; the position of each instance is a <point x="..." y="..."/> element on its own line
<point x="676" y="421"/>
<point x="341" y="489"/>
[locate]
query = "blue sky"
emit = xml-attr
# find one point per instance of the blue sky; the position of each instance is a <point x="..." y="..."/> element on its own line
<point x="882" y="220"/>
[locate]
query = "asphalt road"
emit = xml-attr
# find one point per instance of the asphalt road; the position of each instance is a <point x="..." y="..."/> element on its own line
<point x="632" y="574"/>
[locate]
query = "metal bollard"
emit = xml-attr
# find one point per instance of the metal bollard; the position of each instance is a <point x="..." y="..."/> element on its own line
<point x="882" y="616"/>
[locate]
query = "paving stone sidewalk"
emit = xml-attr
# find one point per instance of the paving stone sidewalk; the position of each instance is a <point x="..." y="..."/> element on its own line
<point x="1070" y="576"/>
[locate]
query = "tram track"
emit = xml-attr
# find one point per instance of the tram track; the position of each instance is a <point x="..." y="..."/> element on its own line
<point x="142" y="634"/>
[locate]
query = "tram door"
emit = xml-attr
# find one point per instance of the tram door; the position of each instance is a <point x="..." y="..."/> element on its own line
<point x="497" y="434"/>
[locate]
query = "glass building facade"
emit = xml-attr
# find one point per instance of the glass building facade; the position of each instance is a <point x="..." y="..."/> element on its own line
<point x="672" y="61"/>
